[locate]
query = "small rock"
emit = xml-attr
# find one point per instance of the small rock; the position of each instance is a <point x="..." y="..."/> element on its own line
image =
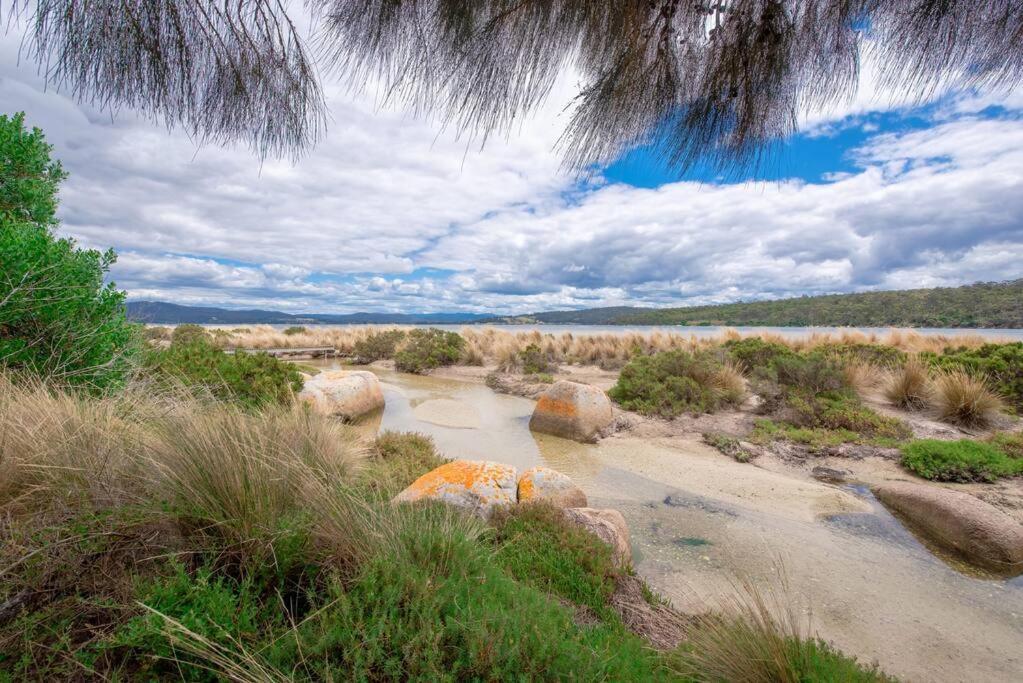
<point x="607" y="525"/>
<point x="828" y="474"/>
<point x="543" y="483"/>
<point x="978" y="531"/>
<point x="347" y="394"/>
<point x="572" y="411"/>
<point x="477" y="485"/>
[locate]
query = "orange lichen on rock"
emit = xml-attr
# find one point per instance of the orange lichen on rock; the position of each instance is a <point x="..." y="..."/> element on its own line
<point x="543" y="483"/>
<point x="572" y="411"/>
<point x="477" y="485"/>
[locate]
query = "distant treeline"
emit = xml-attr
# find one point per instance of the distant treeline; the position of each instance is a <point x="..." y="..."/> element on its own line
<point x="991" y="305"/>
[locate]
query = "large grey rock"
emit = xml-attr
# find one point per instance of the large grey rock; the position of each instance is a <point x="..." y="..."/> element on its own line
<point x="572" y="411"/>
<point x="980" y="532"/>
<point x="347" y="394"/>
<point x="607" y="525"/>
<point x="477" y="485"/>
<point x="543" y="483"/>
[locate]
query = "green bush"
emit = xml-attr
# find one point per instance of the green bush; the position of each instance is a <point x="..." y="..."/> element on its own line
<point x="295" y="329"/>
<point x="535" y="361"/>
<point x="1001" y="364"/>
<point x="57" y="317"/>
<point x="673" y="382"/>
<point x="425" y="350"/>
<point x="156" y="333"/>
<point x="251" y="379"/>
<point x="189" y="333"/>
<point x="875" y="354"/>
<point x="961" y="461"/>
<point x="397" y="460"/>
<point x="1010" y="443"/>
<point x="378" y="346"/>
<point x="841" y="411"/>
<point x="754" y="352"/>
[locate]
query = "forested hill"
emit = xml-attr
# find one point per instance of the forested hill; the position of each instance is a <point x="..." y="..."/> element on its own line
<point x="998" y="305"/>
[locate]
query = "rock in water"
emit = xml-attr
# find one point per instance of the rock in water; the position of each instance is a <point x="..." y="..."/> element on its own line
<point x="476" y="485"/>
<point x="609" y="526"/>
<point x="573" y="411"/>
<point x="977" y="530"/>
<point x="543" y="483"/>
<point x="347" y="394"/>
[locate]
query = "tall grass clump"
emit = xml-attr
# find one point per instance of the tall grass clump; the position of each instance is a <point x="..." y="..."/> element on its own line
<point x="909" y="385"/>
<point x="964" y="399"/>
<point x="674" y="382"/>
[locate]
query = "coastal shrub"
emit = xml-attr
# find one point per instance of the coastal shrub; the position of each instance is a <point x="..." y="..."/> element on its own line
<point x="58" y="318"/>
<point x="396" y="460"/>
<point x="670" y="383"/>
<point x="964" y="399"/>
<point x="754" y="352"/>
<point x="377" y="346"/>
<point x="1000" y="364"/>
<point x="189" y="333"/>
<point x="909" y="385"/>
<point x="816" y="438"/>
<point x="425" y="350"/>
<point x="1010" y="443"/>
<point x="534" y="361"/>
<point x="156" y="333"/>
<point x="841" y="411"/>
<point x="962" y="461"/>
<point x="874" y="354"/>
<point x="294" y="329"/>
<point x="538" y="545"/>
<point x="250" y="379"/>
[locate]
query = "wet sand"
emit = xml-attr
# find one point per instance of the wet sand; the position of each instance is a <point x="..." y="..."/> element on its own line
<point x="699" y="520"/>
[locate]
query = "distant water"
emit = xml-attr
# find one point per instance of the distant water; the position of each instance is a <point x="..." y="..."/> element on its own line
<point x="703" y="331"/>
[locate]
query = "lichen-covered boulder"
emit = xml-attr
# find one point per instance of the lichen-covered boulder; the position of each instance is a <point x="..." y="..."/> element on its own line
<point x="572" y="411"/>
<point x="543" y="483"/>
<point x="477" y="485"/>
<point x="607" y="525"/>
<point x="980" y="532"/>
<point x="347" y="394"/>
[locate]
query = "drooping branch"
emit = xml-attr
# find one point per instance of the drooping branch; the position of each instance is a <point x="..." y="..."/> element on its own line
<point x="227" y="71"/>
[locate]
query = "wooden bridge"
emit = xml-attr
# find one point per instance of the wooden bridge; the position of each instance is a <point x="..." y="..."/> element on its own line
<point x="306" y="351"/>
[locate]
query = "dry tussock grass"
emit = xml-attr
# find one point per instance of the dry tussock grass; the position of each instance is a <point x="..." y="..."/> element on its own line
<point x="909" y="386"/>
<point x="493" y="346"/>
<point x="964" y="399"/>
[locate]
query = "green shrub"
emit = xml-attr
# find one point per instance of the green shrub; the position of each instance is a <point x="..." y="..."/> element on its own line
<point x="425" y="350"/>
<point x="535" y="361"/>
<point x="874" y="354"/>
<point x="1010" y="443"/>
<point x="1001" y="364"/>
<point x="537" y="545"/>
<point x="961" y="461"/>
<point x="842" y="411"/>
<point x="377" y="346"/>
<point x="57" y="317"/>
<point x="674" y="382"/>
<point x="295" y="329"/>
<point x="397" y="460"/>
<point x="754" y="352"/>
<point x="156" y="333"/>
<point x="189" y="333"/>
<point x="251" y="379"/>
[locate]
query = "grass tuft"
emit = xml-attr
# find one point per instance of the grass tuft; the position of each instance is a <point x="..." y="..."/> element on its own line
<point x="964" y="399"/>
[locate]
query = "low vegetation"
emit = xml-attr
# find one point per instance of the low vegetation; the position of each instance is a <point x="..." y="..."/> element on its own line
<point x="964" y="399"/>
<point x="962" y="461"/>
<point x="250" y="379"/>
<point x="729" y="445"/>
<point x="1001" y="365"/>
<point x="426" y="349"/>
<point x="909" y="385"/>
<point x="377" y="346"/>
<point x="294" y="329"/>
<point x="148" y="536"/>
<point x="671" y="383"/>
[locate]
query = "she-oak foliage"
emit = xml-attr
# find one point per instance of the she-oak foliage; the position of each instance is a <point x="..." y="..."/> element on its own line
<point x="717" y="80"/>
<point x="57" y="317"/>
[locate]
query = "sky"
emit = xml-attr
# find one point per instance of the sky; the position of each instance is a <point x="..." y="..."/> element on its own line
<point x="393" y="213"/>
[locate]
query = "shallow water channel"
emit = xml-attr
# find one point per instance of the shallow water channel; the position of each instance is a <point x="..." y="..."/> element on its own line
<point x="700" y="521"/>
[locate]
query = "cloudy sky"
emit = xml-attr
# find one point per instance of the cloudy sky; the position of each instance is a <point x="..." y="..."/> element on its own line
<point x="393" y="213"/>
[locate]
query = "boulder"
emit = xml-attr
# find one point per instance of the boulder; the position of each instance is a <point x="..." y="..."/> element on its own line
<point x="477" y="485"/>
<point x="347" y="394"/>
<point x="543" y="483"/>
<point x="607" y="525"/>
<point x="572" y="411"/>
<point x="978" y="531"/>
